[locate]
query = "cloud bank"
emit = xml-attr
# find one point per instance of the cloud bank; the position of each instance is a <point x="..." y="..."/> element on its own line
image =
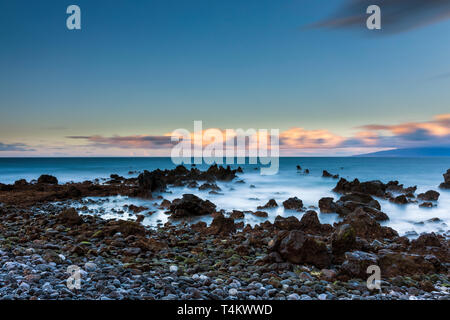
<point x="297" y="140"/>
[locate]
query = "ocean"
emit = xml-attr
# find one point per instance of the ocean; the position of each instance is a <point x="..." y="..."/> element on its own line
<point x="425" y="173"/>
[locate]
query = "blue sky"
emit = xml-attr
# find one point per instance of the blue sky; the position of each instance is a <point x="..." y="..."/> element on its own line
<point x="149" y="67"/>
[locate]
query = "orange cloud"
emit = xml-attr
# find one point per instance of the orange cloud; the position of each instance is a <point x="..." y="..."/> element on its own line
<point x="299" y="138"/>
<point x="439" y="126"/>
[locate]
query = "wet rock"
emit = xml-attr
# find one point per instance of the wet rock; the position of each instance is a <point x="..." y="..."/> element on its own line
<point x="191" y="205"/>
<point x="222" y="226"/>
<point x="209" y="186"/>
<point x="165" y="204"/>
<point x="236" y="214"/>
<point x="326" y="174"/>
<point x="47" y="179"/>
<point x="402" y="199"/>
<point x="289" y="223"/>
<point x="293" y="204"/>
<point x="327" y="205"/>
<point x="299" y="248"/>
<point x="151" y="181"/>
<point x="270" y="204"/>
<point x="430" y="195"/>
<point x="310" y="223"/>
<point x="426" y="205"/>
<point x="136" y="209"/>
<point x="360" y="199"/>
<point x="446" y="183"/>
<point x="375" y="188"/>
<point x="260" y="214"/>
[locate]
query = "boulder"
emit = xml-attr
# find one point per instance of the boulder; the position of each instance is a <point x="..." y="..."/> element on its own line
<point x="399" y="263"/>
<point x="70" y="217"/>
<point x="327" y="205"/>
<point x="149" y="182"/>
<point x="343" y="239"/>
<point x="299" y="248"/>
<point x="293" y="204"/>
<point x="222" y="226"/>
<point x="47" y="179"/>
<point x="289" y="223"/>
<point x="430" y="195"/>
<point x="210" y="186"/>
<point x="356" y="264"/>
<point x="402" y="199"/>
<point x="191" y="205"/>
<point x="310" y="223"/>
<point x="375" y="187"/>
<point x="446" y="183"/>
<point x="236" y="214"/>
<point x="361" y="198"/>
<point x="367" y="227"/>
<point x="326" y="174"/>
<point x="270" y="204"/>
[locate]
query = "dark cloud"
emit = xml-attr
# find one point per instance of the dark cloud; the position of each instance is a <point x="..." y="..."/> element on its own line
<point x="14" y="147"/>
<point x="396" y="15"/>
<point x="128" y="142"/>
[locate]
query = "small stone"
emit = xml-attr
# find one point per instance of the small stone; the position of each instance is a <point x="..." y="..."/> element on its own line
<point x="90" y="266"/>
<point x="293" y="296"/>
<point x="322" y="296"/>
<point x="173" y="269"/>
<point x="233" y="292"/>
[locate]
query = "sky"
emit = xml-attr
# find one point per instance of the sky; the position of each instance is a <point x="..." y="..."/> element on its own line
<point x="139" y="69"/>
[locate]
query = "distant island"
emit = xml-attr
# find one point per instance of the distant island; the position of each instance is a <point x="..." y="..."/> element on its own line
<point x="411" y="152"/>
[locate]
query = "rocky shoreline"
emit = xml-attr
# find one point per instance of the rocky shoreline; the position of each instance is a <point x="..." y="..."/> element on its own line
<point x="288" y="259"/>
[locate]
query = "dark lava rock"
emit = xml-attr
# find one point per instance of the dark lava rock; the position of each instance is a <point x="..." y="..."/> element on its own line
<point x="402" y="199"/>
<point x="367" y="227"/>
<point x="151" y="181"/>
<point x="270" y="204"/>
<point x="47" y="179"/>
<point x="260" y="214"/>
<point x="327" y="205"/>
<point x="289" y="223"/>
<point x="343" y="239"/>
<point x="400" y="263"/>
<point x="446" y="183"/>
<point x="375" y="188"/>
<point x="191" y="205"/>
<point x="297" y="247"/>
<point x="293" y="204"/>
<point x="426" y="205"/>
<point x="236" y="215"/>
<point x="326" y="174"/>
<point x="221" y="225"/>
<point x="430" y="195"/>
<point x="70" y="217"/>
<point x="358" y="197"/>
<point x="310" y="223"/>
<point x="209" y="186"/>
<point x="356" y="264"/>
